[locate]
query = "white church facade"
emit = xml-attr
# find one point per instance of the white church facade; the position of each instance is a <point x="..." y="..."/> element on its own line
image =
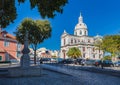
<point x="81" y="40"/>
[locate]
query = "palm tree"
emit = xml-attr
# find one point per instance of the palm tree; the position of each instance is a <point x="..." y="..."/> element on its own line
<point x="37" y="30"/>
<point x="74" y="52"/>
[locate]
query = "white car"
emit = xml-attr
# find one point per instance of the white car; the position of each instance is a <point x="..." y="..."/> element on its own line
<point x="117" y="63"/>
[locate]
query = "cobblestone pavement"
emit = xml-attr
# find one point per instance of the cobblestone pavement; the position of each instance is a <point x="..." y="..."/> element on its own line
<point x="48" y="78"/>
<point x="54" y="78"/>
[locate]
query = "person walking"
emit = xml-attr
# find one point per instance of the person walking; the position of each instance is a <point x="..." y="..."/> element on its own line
<point x="102" y="63"/>
<point x="41" y="61"/>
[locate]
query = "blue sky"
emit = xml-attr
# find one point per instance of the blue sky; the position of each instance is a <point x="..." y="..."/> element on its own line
<point x="101" y="17"/>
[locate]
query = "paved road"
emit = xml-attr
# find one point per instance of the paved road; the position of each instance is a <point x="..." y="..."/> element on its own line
<point x="55" y="78"/>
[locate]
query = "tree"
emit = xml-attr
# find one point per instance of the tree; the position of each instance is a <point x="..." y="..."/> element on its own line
<point x="107" y="58"/>
<point x="7" y="12"/>
<point x="46" y="8"/>
<point x="37" y="30"/>
<point x="111" y="43"/>
<point x="74" y="52"/>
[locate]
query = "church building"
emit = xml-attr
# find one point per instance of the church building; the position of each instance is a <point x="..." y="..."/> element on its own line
<point x="81" y="40"/>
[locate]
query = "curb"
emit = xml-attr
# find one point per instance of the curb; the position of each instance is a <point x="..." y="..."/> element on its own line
<point x="70" y="70"/>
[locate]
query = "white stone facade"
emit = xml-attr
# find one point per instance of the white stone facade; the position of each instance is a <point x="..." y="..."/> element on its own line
<point x="81" y="40"/>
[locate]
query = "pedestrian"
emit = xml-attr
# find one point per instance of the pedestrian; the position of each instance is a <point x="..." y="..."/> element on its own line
<point x="102" y="64"/>
<point x="41" y="61"/>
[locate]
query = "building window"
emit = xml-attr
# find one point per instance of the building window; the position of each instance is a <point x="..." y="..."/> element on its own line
<point x="89" y="40"/>
<point x="75" y="33"/>
<point x="75" y="41"/>
<point x="99" y="56"/>
<point x="85" y="32"/>
<point x="93" y="49"/>
<point x="64" y="41"/>
<point x="83" y="55"/>
<point x="0" y="58"/>
<point x="83" y="48"/>
<point x="99" y="50"/>
<point x="80" y="32"/>
<point x="6" y="43"/>
<point x="71" y="41"/>
<point x="93" y="55"/>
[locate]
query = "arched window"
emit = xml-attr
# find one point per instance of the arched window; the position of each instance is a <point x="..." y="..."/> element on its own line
<point x="89" y="40"/>
<point x="93" y="55"/>
<point x="83" y="48"/>
<point x="75" y="40"/>
<point x="85" y="32"/>
<point x="64" y="41"/>
<point x="93" y="49"/>
<point x="75" y="33"/>
<point x="71" y="41"/>
<point x="80" y="32"/>
<point x="83" y="55"/>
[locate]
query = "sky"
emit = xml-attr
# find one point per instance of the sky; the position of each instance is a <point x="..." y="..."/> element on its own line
<point x="101" y="17"/>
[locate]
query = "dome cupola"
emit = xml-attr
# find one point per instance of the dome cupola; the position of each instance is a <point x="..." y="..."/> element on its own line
<point x="81" y="27"/>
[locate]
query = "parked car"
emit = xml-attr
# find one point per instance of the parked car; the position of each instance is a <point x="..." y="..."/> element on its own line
<point x="104" y="63"/>
<point x="117" y="63"/>
<point x="54" y="60"/>
<point x="66" y="61"/>
<point x="89" y="62"/>
<point x="108" y="63"/>
<point x="78" y="61"/>
<point x="97" y="62"/>
<point x="45" y="60"/>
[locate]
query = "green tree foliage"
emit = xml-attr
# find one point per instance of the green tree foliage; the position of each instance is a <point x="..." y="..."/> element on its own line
<point x="98" y="43"/>
<point x="107" y="58"/>
<point x="111" y="43"/>
<point x="74" y="53"/>
<point x="7" y="12"/>
<point x="47" y="8"/>
<point x="37" y="30"/>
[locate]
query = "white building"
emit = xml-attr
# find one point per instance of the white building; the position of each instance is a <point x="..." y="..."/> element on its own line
<point x="44" y="53"/>
<point x="81" y="40"/>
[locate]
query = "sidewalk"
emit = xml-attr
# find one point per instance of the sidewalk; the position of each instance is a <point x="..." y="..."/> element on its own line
<point x="48" y="78"/>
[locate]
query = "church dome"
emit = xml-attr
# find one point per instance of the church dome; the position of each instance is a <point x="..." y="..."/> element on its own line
<point x="81" y="24"/>
<point x="81" y="27"/>
<point x="98" y="36"/>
